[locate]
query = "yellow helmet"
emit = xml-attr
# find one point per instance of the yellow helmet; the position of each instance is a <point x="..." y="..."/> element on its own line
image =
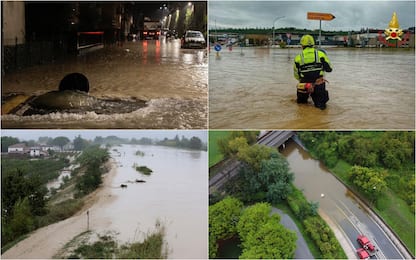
<point x="307" y="40"/>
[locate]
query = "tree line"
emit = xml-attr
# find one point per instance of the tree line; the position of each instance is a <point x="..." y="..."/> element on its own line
<point x="80" y="143"/>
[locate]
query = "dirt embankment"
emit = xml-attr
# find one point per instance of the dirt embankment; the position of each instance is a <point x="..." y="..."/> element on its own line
<point x="47" y="241"/>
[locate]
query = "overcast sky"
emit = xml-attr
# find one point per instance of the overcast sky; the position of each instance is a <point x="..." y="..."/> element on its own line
<point x="91" y="134"/>
<point x="350" y="15"/>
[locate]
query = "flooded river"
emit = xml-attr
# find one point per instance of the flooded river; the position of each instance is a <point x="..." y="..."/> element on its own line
<point x="338" y="205"/>
<point x="255" y="88"/>
<point x="172" y="81"/>
<point x="175" y="193"/>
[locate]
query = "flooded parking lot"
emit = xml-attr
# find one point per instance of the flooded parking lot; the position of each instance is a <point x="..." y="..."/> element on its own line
<point x="368" y="89"/>
<point x="172" y="81"/>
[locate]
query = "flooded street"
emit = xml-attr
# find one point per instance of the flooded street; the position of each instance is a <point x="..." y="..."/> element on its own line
<point x="172" y="81"/>
<point x="175" y="193"/>
<point x="368" y="89"/>
<point x="338" y="206"/>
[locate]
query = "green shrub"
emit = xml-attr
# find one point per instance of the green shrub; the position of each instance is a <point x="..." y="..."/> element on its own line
<point x="144" y="170"/>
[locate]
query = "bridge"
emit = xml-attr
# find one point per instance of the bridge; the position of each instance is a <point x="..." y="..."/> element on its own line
<point x="229" y="168"/>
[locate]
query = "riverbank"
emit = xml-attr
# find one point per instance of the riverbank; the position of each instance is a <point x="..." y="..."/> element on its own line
<point x="47" y="241"/>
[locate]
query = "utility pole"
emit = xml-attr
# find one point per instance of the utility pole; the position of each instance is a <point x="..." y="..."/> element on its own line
<point x="88" y="220"/>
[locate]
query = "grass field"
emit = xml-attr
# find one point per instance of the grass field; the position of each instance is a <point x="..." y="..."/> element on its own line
<point x="214" y="154"/>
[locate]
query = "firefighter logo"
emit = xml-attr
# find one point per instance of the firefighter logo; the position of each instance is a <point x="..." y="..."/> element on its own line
<point x="392" y="36"/>
<point x="393" y="32"/>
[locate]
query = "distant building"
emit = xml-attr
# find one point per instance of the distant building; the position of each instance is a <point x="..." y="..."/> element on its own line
<point x="46" y="148"/>
<point x="19" y="148"/>
<point x="33" y="151"/>
<point x="68" y="147"/>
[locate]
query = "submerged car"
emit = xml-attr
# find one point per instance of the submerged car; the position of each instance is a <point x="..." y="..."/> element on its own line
<point x="193" y="39"/>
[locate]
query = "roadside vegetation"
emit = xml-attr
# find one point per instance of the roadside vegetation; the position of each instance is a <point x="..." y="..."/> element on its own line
<point x="25" y="206"/>
<point x="380" y="166"/>
<point x="265" y="177"/>
<point x="89" y="245"/>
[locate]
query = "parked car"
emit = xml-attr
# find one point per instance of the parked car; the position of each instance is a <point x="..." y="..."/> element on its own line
<point x="171" y="34"/>
<point x="193" y="39"/>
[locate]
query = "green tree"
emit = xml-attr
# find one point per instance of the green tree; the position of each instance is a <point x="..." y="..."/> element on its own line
<point x="60" y="141"/>
<point x="7" y="141"/>
<point x="270" y="241"/>
<point x="369" y="181"/>
<point x="44" y="140"/>
<point x="22" y="221"/>
<point x="254" y="155"/>
<point x="195" y="143"/>
<point x="223" y="219"/>
<point x="275" y="175"/>
<point x="79" y="143"/>
<point x="252" y="218"/>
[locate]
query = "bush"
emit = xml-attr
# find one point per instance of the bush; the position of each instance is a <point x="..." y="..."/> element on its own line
<point x="144" y="170"/>
<point x="223" y="219"/>
<point x="323" y="237"/>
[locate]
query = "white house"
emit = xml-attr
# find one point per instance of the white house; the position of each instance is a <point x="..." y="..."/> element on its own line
<point x="17" y="148"/>
<point x="35" y="151"/>
<point x="45" y="148"/>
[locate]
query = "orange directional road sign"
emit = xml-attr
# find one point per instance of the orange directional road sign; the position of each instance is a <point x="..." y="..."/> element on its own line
<point x="320" y="16"/>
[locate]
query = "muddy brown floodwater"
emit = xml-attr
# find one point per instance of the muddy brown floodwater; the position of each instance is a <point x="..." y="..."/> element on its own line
<point x="173" y="81"/>
<point x="254" y="88"/>
<point x="175" y="194"/>
<point x="345" y="213"/>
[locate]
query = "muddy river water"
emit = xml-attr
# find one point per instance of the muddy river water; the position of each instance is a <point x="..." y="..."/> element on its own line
<point x="337" y="205"/>
<point x="254" y="88"/>
<point x="175" y="194"/>
<point x="173" y="81"/>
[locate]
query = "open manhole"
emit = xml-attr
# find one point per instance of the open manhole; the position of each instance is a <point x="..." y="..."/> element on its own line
<point x="67" y="101"/>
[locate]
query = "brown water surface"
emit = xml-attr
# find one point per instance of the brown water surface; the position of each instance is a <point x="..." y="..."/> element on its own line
<point x="254" y="88"/>
<point x="173" y="81"/>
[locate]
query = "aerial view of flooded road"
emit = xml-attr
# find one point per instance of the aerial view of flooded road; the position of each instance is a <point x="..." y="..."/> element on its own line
<point x="340" y="208"/>
<point x="172" y="81"/>
<point x="368" y="89"/>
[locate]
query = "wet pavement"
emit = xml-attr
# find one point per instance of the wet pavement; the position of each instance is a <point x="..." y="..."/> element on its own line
<point x="254" y="88"/>
<point x="172" y="81"/>
<point x="338" y="205"/>
<point x="302" y="249"/>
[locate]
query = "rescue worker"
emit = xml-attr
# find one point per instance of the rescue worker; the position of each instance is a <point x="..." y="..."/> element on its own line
<point x="309" y="68"/>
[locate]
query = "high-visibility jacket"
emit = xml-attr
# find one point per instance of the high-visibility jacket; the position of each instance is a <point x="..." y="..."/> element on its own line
<point x="311" y="64"/>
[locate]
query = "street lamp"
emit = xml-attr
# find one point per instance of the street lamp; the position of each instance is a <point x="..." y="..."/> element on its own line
<point x="274" y="21"/>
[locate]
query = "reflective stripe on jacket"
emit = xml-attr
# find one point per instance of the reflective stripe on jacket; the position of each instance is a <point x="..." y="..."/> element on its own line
<point x="308" y="65"/>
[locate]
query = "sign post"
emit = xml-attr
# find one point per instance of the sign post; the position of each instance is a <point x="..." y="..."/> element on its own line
<point x="320" y="17"/>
